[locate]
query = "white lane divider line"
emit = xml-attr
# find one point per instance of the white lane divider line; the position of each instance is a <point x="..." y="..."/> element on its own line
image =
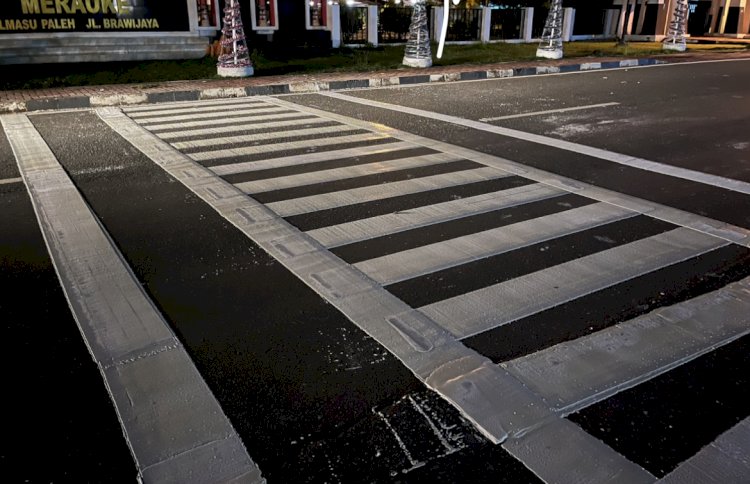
<point x="622" y="159"/>
<point x="9" y="181"/>
<point x="550" y="111"/>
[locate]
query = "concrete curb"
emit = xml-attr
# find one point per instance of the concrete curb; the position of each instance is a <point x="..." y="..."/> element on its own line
<point x="73" y="102"/>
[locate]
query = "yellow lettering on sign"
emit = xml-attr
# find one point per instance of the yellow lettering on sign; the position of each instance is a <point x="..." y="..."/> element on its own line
<point x="30" y="6"/>
<point x="78" y="6"/>
<point x="92" y="6"/>
<point x="47" y="6"/>
<point x="61" y="5"/>
<point x="108" y="6"/>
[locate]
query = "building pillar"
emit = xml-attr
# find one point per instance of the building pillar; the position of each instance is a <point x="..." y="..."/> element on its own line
<point x="372" y="25"/>
<point x="744" y="22"/>
<point x="621" y="19"/>
<point x="631" y="16"/>
<point x="714" y="13"/>
<point x="641" y="17"/>
<point x="569" y="19"/>
<point x="335" y="25"/>
<point x="527" y="24"/>
<point x="609" y="23"/>
<point x="486" y="24"/>
<point x="192" y="7"/>
<point x="437" y="22"/>
<point x="724" y="15"/>
<point x="663" y="16"/>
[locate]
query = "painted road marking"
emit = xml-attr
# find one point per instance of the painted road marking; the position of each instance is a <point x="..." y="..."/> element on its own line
<point x="9" y="181"/>
<point x="491" y="396"/>
<point x="157" y="392"/>
<point x="439" y="360"/>
<point x="550" y="111"/>
<point x="306" y="158"/>
<point x="285" y="146"/>
<point x="249" y="138"/>
<point x="573" y="374"/>
<point x="314" y="203"/>
<point x="223" y="102"/>
<point x="210" y="115"/>
<point x="239" y="120"/>
<point x="408" y="264"/>
<point x="372" y="227"/>
<point x="487" y="308"/>
<point x="239" y="127"/>
<point x="248" y="103"/>
<point x="729" y="232"/>
<point x="563" y="453"/>
<point x="324" y="176"/>
<point x="724" y="460"/>
<point x="632" y="161"/>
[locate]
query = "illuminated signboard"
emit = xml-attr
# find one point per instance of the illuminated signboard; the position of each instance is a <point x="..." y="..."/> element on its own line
<point x="45" y="16"/>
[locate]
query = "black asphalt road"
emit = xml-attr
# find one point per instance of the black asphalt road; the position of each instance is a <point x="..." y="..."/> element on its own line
<point x="312" y="396"/>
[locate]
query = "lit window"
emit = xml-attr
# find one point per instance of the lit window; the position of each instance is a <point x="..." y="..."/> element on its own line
<point x="316" y="14"/>
<point x="207" y="13"/>
<point x="264" y="15"/>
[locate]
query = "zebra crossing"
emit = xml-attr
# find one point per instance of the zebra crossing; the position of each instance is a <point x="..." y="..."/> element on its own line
<point x="437" y="253"/>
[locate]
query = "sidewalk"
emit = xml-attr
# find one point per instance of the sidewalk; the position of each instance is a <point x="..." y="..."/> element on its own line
<point x="121" y="94"/>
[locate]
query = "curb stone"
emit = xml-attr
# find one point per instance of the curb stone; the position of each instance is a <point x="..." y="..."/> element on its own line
<point x="73" y="102"/>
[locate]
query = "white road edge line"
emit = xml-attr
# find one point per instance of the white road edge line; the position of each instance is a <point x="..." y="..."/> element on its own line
<point x="172" y="422"/>
<point x="550" y="111"/>
<point x="622" y="159"/>
<point x="722" y="230"/>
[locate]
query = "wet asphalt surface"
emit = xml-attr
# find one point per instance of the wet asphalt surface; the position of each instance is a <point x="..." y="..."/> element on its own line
<point x="312" y="396"/>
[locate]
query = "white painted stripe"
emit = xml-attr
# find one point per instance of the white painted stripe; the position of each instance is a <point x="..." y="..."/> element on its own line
<point x="253" y="120"/>
<point x="595" y="367"/>
<point x="213" y="102"/>
<point x="363" y="229"/>
<point x="155" y="387"/>
<point x="323" y="176"/>
<point x="723" y="230"/>
<point x="199" y="108"/>
<point x="632" y="161"/>
<point x="561" y="452"/>
<point x="550" y="111"/>
<point x="8" y="181"/>
<point x="307" y="158"/>
<point x="314" y="203"/>
<point x="489" y="307"/>
<point x="497" y="402"/>
<point x="269" y="149"/>
<point x="423" y="260"/>
<point x="249" y="138"/>
<point x="721" y="462"/>
<point x="238" y="127"/>
<point x="207" y="116"/>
